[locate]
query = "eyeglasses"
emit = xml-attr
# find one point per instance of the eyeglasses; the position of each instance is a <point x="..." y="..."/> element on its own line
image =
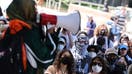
<point x="97" y="63"/>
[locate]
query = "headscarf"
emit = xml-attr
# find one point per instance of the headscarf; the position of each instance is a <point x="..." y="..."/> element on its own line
<point x="23" y="10"/>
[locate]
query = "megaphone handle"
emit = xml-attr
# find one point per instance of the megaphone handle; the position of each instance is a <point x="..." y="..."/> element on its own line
<point x="47" y="18"/>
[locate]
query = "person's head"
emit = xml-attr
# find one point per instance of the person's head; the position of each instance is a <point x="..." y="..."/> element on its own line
<point x="101" y="30"/>
<point x="122" y="50"/>
<point x="65" y="57"/>
<point x="82" y="40"/>
<point x="61" y="43"/>
<point x="22" y="9"/>
<point x="92" y="51"/>
<point x="98" y="65"/>
<point x="90" y="18"/>
<point x="123" y="10"/>
<point x="124" y="39"/>
<point x="111" y="55"/>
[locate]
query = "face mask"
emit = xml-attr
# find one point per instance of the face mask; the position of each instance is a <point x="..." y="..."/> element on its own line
<point x="80" y="45"/>
<point x="66" y="60"/>
<point x="97" y="68"/>
<point x="60" y="47"/>
<point x="102" y="32"/>
<point x="92" y="54"/>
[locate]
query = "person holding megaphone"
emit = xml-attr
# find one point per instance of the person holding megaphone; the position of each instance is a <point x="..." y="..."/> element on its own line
<point x="24" y="36"/>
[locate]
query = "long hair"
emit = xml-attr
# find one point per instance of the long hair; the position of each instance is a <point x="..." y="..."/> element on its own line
<point x="104" y="66"/>
<point x="57" y="62"/>
<point x="98" y="29"/>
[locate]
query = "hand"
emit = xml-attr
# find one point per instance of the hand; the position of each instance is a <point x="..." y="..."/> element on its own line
<point x="51" y="30"/>
<point x="17" y="25"/>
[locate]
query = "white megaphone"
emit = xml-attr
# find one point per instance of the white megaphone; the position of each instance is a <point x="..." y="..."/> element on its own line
<point x="69" y="21"/>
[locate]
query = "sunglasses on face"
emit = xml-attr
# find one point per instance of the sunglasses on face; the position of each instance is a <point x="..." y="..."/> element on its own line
<point x="97" y="63"/>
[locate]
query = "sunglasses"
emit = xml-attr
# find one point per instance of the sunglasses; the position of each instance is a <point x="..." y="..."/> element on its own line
<point x="97" y="63"/>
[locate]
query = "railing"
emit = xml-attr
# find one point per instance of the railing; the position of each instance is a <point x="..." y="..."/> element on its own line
<point x="53" y="4"/>
<point x="57" y="5"/>
<point x="90" y="4"/>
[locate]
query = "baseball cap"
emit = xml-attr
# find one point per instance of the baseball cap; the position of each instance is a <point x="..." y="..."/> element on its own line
<point x="122" y="46"/>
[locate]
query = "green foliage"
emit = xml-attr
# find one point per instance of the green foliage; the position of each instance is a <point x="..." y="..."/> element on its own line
<point x="66" y="1"/>
<point x="84" y="4"/>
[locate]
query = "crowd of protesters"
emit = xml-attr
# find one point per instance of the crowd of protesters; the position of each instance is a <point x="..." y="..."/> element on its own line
<point x="100" y="50"/>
